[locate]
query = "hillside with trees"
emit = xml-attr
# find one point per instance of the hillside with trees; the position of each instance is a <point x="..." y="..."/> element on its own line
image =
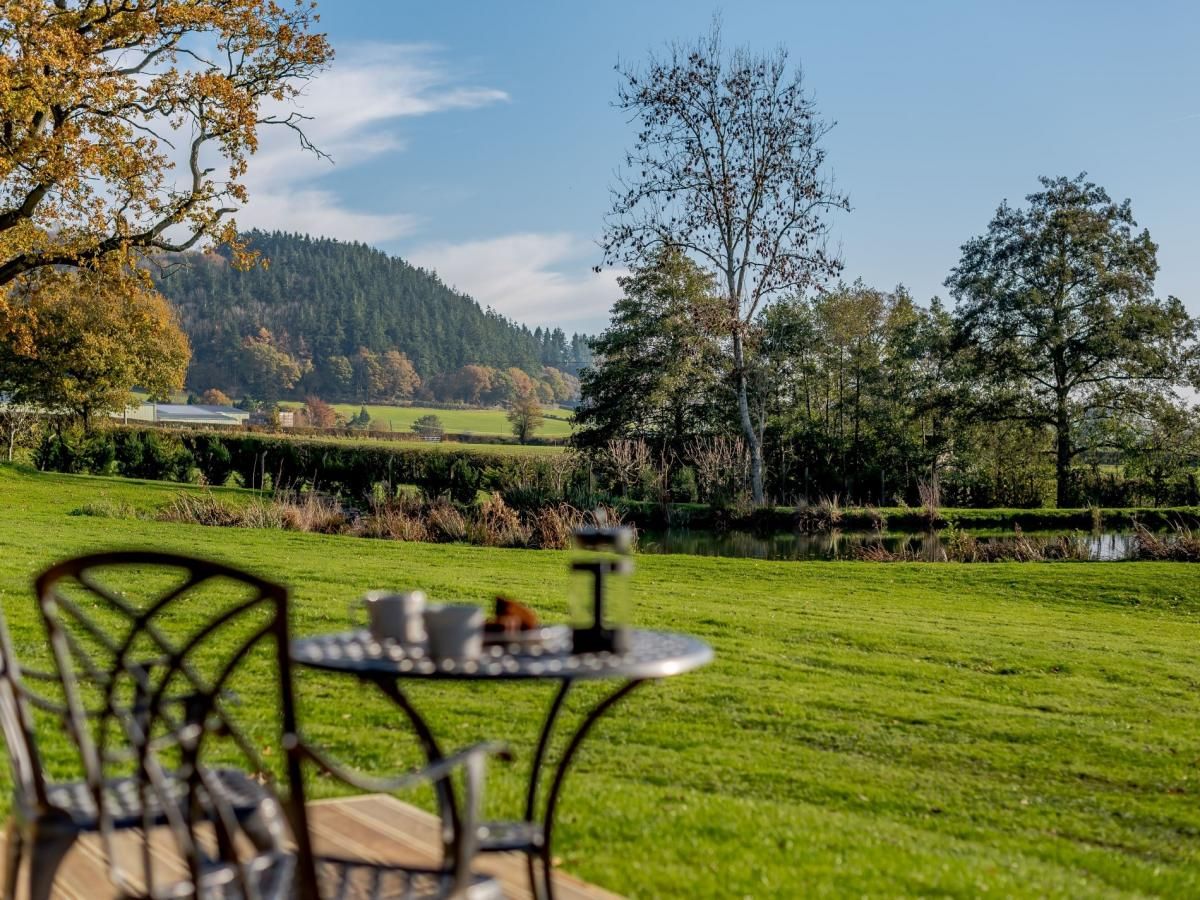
<point x="348" y="322"/>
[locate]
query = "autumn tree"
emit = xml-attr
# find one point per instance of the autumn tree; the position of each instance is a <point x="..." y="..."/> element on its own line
<point x="269" y="370"/>
<point x="525" y="415"/>
<point x="563" y="387"/>
<point x="519" y="383"/>
<point x="319" y="413"/>
<point x="215" y="397"/>
<point x="726" y="168"/>
<point x="471" y="382"/>
<point x="556" y="382"/>
<point x="1057" y="319"/>
<point x="100" y="102"/>
<point x="77" y="341"/>
<point x="368" y="375"/>
<point x="398" y="378"/>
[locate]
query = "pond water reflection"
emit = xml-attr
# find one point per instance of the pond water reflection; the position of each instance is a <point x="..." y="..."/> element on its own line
<point x="1102" y="545"/>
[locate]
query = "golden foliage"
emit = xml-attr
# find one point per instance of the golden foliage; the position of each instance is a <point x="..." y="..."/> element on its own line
<point x="100" y="102"/>
<point x="78" y="340"/>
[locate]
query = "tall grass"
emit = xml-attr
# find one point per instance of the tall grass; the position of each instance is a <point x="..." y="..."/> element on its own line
<point x="825" y="515"/>
<point x="104" y="508"/>
<point x="1181" y="545"/>
<point x="406" y="517"/>
<point x="960" y="546"/>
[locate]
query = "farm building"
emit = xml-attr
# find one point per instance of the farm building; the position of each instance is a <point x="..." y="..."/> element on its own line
<point x="184" y="414"/>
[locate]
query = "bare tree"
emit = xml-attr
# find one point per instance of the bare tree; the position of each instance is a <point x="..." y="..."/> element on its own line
<point x="16" y="422"/>
<point x="628" y="459"/>
<point x="727" y="166"/>
<point x="721" y="465"/>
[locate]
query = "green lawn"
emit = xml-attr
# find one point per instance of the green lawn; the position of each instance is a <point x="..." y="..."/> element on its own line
<point x="1015" y="729"/>
<point x="476" y="421"/>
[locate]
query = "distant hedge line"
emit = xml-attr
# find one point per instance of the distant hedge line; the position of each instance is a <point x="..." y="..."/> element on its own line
<point x="257" y="460"/>
<point x="457" y="437"/>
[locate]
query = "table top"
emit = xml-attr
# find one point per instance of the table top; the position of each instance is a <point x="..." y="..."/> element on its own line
<point x="651" y="654"/>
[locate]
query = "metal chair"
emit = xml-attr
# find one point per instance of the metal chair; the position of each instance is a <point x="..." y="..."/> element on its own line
<point x="143" y="690"/>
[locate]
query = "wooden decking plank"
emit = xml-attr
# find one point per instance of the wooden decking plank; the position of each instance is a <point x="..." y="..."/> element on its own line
<point x="392" y="819"/>
<point x="372" y="827"/>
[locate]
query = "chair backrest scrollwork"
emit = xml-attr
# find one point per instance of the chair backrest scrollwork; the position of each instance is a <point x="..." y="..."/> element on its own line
<point x="148" y="649"/>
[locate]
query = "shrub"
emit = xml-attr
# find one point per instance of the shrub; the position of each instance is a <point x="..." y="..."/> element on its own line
<point x="200" y="509"/>
<point x="498" y="525"/>
<point x="429" y="426"/>
<point x="104" y="508"/>
<point x="394" y="521"/>
<point x="1182" y="545"/>
<point x="260" y="514"/>
<point x="447" y="523"/>
<point x="826" y="515"/>
<point x="553" y="525"/>
<point x="683" y="485"/>
<point x="311" y="512"/>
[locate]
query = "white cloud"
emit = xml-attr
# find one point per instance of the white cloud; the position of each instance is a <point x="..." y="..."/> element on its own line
<point x="534" y="278"/>
<point x="355" y="108"/>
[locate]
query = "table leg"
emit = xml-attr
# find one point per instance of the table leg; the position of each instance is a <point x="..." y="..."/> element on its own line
<point x="547" y="854"/>
<point x="443" y="787"/>
<point x="535" y="775"/>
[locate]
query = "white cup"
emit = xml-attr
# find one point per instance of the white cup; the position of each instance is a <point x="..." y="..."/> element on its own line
<point x="396" y="616"/>
<point x="455" y="631"/>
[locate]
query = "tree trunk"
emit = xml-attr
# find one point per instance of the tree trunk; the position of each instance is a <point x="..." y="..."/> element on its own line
<point x="1063" y="454"/>
<point x="752" y="441"/>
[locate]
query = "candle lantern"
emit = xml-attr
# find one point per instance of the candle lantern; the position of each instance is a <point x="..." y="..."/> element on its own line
<point x="601" y="568"/>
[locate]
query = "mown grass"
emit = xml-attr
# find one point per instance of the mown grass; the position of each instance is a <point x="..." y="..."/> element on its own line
<point x="1021" y="730"/>
<point x="477" y="421"/>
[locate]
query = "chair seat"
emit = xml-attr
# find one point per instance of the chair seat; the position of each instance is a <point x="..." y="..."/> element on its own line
<point x="269" y="876"/>
<point x="338" y="879"/>
<point x="353" y="879"/>
<point x="237" y="790"/>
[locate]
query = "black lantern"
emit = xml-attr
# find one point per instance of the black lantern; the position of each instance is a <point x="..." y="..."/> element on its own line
<point x="601" y="568"/>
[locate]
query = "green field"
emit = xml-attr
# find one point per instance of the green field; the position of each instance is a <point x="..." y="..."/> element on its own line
<point x="475" y="421"/>
<point x="1009" y="729"/>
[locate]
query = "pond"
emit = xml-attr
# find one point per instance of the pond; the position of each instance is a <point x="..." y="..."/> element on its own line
<point x="1102" y="545"/>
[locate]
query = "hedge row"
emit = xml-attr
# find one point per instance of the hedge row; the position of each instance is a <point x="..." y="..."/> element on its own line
<point x="457" y="437"/>
<point x="259" y="460"/>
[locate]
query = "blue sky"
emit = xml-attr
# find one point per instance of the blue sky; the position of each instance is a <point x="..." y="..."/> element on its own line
<point x="478" y="138"/>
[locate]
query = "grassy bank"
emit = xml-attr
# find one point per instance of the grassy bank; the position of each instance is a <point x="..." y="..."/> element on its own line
<point x="1023" y="730"/>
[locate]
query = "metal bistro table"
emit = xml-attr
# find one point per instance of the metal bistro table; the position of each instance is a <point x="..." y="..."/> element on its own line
<point x="652" y="655"/>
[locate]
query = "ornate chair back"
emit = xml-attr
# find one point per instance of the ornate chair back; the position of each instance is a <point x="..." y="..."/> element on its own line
<point x="148" y="649"/>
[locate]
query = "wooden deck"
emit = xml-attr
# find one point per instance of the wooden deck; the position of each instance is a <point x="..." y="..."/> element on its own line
<point x="373" y="827"/>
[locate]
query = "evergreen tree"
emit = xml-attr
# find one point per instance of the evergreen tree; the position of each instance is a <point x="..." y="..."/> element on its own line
<point x="322" y="300"/>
